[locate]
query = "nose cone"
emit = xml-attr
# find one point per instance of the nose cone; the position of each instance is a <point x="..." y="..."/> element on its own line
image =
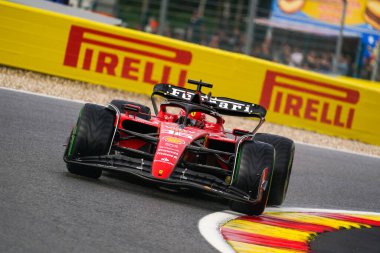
<point x="169" y="150"/>
<point x="171" y="145"/>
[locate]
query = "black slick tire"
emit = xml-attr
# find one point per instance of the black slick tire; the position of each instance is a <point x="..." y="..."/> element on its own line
<point x="144" y="109"/>
<point x="284" y="148"/>
<point x="253" y="158"/>
<point x="91" y="136"/>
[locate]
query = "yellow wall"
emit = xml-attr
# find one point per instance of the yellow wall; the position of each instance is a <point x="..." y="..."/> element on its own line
<point x="126" y="59"/>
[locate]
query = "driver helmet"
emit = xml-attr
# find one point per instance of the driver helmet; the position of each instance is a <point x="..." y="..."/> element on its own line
<point x="195" y="119"/>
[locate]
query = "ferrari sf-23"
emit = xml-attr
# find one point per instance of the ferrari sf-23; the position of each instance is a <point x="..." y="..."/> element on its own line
<point x="185" y="145"/>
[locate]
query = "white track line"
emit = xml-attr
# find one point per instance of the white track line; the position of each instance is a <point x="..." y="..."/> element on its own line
<point x="82" y="102"/>
<point x="338" y="150"/>
<point x="43" y="95"/>
<point x="301" y="209"/>
<point x="209" y="226"/>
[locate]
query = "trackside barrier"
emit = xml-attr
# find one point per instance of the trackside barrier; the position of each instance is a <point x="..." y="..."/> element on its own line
<point x="121" y="58"/>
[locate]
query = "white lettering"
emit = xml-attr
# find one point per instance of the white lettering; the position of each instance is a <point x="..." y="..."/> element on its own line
<point x="223" y="105"/>
<point x="235" y="107"/>
<point x="185" y="95"/>
<point x="163" y="162"/>
<point x="173" y="146"/>
<point x="212" y="100"/>
<point x="181" y="134"/>
<point x="175" y="92"/>
<point x="167" y="151"/>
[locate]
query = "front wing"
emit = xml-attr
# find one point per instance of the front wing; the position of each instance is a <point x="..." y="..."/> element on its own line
<point x="181" y="177"/>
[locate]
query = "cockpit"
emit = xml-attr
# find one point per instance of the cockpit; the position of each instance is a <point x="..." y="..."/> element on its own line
<point x="188" y="114"/>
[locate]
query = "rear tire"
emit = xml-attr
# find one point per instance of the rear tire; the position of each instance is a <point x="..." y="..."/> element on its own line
<point x="284" y="148"/>
<point x="144" y="109"/>
<point x="91" y="136"/>
<point x="253" y="158"/>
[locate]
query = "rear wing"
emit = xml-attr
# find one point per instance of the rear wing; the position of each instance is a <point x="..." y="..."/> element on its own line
<point x="222" y="105"/>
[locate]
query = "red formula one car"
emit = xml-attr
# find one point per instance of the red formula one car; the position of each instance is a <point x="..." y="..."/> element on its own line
<point x="185" y="145"/>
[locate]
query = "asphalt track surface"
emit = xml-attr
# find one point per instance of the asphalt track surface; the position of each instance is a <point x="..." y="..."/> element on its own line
<point x="43" y="208"/>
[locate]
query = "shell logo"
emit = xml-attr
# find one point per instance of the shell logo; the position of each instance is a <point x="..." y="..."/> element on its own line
<point x="174" y="140"/>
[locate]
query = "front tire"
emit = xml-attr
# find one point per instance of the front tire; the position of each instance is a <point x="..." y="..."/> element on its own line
<point x="91" y="136"/>
<point x="253" y="158"/>
<point x="284" y="148"/>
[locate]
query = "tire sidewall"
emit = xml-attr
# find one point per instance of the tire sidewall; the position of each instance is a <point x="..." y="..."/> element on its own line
<point x="254" y="157"/>
<point x="284" y="148"/>
<point x="91" y="136"/>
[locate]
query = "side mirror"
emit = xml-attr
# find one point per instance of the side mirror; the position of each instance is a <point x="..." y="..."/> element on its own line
<point x="240" y="132"/>
<point x="132" y="108"/>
